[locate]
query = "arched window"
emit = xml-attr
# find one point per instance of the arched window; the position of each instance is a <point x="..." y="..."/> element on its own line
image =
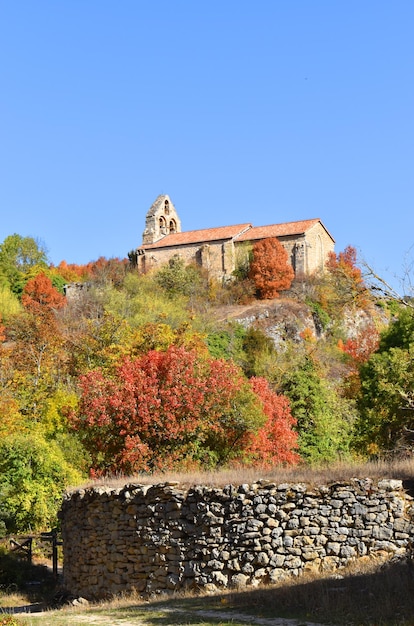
<point x="173" y="226"/>
<point x="163" y="225"/>
<point x="166" y="207"/>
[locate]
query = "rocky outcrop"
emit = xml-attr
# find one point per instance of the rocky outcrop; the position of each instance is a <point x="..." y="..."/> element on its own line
<point x="161" y="537"/>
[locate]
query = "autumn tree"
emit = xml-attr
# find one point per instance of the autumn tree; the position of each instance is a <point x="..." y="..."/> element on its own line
<point x="9" y="302"/>
<point x="360" y="347"/>
<point x="270" y="269"/>
<point x="40" y="296"/>
<point x="276" y="442"/>
<point x="72" y="272"/>
<point x="107" y="271"/>
<point x="347" y="287"/>
<point x="166" y="409"/>
<point x="38" y="357"/>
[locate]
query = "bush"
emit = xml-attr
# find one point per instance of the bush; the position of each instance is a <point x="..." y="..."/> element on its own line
<point x="33" y="476"/>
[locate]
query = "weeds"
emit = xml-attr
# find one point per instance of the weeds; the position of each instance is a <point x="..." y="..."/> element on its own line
<point x="311" y="475"/>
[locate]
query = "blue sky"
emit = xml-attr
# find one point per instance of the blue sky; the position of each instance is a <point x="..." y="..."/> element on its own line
<point x="258" y="111"/>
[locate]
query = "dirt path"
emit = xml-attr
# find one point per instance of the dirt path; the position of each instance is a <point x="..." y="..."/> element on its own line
<point x="94" y="619"/>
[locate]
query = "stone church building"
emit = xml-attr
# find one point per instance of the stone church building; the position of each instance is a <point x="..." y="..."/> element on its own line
<point x="220" y="250"/>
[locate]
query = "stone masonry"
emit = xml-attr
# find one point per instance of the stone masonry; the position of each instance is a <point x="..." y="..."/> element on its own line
<point x="160" y="537"/>
<point x="218" y="250"/>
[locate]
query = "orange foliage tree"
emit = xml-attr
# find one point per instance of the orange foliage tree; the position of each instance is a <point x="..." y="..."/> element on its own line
<point x="40" y="296"/>
<point x="102" y="270"/>
<point x="349" y="285"/>
<point x="175" y="408"/>
<point x="37" y="351"/>
<point x="360" y="348"/>
<point x="270" y="269"/>
<point x="276" y="442"/>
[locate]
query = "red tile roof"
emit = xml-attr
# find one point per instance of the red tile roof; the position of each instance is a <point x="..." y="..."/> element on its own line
<point x="238" y="232"/>
<point x="197" y="236"/>
<point x="278" y="230"/>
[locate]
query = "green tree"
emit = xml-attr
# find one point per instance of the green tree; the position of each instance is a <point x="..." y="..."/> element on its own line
<point x="178" y="278"/>
<point x="324" y="419"/>
<point x="257" y="347"/>
<point x="400" y="332"/>
<point x="248" y="348"/>
<point x="386" y="398"/>
<point x="17" y="255"/>
<point x="33" y="476"/>
<point x="227" y="343"/>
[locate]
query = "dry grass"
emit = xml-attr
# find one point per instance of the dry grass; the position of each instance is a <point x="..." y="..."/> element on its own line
<point x="311" y="475"/>
<point x="8" y="598"/>
<point x="366" y="593"/>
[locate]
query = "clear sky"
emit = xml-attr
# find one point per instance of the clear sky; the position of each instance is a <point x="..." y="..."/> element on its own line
<point x="260" y="111"/>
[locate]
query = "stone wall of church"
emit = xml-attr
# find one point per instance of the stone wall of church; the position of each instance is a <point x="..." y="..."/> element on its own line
<point x="318" y="245"/>
<point x="307" y="254"/>
<point x="163" y="538"/>
<point x="216" y="257"/>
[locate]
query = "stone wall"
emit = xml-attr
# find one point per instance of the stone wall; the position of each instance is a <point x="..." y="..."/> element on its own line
<point x="217" y="257"/>
<point x="161" y="537"/>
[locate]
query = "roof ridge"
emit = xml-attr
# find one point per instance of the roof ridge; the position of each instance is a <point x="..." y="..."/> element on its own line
<point x="312" y="219"/>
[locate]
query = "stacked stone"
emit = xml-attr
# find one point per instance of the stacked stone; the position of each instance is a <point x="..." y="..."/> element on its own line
<point x="160" y="538"/>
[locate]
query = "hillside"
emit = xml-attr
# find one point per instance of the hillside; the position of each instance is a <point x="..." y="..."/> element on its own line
<point x="286" y="318"/>
<point x="172" y="370"/>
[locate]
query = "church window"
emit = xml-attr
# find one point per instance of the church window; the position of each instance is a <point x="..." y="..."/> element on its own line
<point x="166" y="207"/>
<point x="163" y="225"/>
<point x="173" y="226"/>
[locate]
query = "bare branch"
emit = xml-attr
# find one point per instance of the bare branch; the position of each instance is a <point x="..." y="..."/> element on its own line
<point x="381" y="287"/>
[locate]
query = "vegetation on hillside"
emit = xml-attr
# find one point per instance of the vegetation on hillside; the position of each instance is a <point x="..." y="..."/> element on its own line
<point x="135" y="373"/>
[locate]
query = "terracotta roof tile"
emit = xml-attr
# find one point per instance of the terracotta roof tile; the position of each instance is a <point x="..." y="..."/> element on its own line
<point x="197" y="236"/>
<point x="280" y="230"/>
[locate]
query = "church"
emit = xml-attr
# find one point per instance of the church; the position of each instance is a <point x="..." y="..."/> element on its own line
<point x="220" y="250"/>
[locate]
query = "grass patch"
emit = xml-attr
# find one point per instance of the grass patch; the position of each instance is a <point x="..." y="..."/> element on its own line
<point x="365" y="594"/>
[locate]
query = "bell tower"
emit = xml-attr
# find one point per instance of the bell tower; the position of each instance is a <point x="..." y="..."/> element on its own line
<point x="161" y="220"/>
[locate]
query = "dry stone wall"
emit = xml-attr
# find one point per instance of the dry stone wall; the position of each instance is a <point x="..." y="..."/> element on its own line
<point x="160" y="537"/>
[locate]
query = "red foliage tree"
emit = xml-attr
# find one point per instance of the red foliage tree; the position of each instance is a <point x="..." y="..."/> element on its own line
<point x="270" y="269"/>
<point x="165" y="408"/>
<point x="345" y="262"/>
<point x="2" y="331"/>
<point x="39" y="295"/>
<point x="362" y="346"/>
<point x="276" y="442"/>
